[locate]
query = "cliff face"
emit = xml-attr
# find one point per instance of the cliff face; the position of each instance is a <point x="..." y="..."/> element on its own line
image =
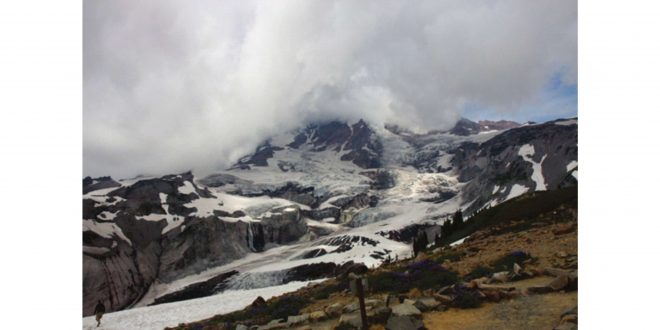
<point x="529" y="158"/>
<point x="144" y="239"/>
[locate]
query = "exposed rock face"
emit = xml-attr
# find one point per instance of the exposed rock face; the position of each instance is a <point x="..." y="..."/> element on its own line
<point x="104" y="182"/>
<point x="197" y="290"/>
<point x="495" y="166"/>
<point x="260" y="156"/>
<point x="294" y="192"/>
<point x="359" y="141"/>
<point x="487" y="125"/>
<point x="358" y="201"/>
<point x="320" y="214"/>
<point x="465" y="127"/>
<point x="119" y="266"/>
<point x="381" y="179"/>
<point x="114" y="277"/>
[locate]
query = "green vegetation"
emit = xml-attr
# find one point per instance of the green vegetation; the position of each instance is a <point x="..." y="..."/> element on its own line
<point x="425" y="274"/>
<point x="480" y="271"/>
<point x="467" y="299"/>
<point x="324" y="291"/>
<point x="450" y="255"/>
<point x="504" y="263"/>
<point x="527" y="206"/>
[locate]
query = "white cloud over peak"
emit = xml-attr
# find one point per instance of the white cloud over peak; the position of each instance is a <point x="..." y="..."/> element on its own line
<point x="177" y="85"/>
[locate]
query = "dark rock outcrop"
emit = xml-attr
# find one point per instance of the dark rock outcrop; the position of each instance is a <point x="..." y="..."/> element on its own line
<point x="90" y="184"/>
<point x="197" y="290"/>
<point x="260" y="156"/>
<point x="359" y="141"/>
<point x="497" y="161"/>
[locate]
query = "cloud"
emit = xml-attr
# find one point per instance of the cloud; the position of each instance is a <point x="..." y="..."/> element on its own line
<point x="177" y="85"/>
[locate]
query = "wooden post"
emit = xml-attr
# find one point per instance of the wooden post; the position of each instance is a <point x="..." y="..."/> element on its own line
<point x="363" y="309"/>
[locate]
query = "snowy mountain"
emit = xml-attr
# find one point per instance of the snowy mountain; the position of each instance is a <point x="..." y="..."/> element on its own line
<point x="305" y="205"/>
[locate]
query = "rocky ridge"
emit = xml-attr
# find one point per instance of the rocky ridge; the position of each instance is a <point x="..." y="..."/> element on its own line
<point x="350" y="182"/>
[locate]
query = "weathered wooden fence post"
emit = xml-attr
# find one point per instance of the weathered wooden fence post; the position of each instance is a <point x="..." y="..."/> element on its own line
<point x="357" y="284"/>
<point x="363" y="309"/>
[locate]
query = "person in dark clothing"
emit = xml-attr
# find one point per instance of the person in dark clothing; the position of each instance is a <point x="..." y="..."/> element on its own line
<point x="99" y="310"/>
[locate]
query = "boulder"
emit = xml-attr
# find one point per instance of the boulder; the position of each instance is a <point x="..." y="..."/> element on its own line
<point x="379" y="315"/>
<point x="297" y="319"/>
<point x="406" y="310"/>
<point x="373" y="302"/>
<point x="352" y="307"/>
<point x="334" y="310"/>
<point x="318" y="316"/>
<point x="516" y="268"/>
<point x="426" y="304"/>
<point x="259" y="302"/>
<point x="572" y="276"/>
<point x="274" y="325"/>
<point x="404" y="323"/>
<point x="352" y="319"/>
<point x="559" y="283"/>
<point x="241" y="327"/>
<point x="443" y="298"/>
<point x="500" y="277"/>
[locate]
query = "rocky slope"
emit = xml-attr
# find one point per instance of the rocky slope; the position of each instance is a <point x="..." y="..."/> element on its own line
<point x="325" y="194"/>
<point x="515" y="271"/>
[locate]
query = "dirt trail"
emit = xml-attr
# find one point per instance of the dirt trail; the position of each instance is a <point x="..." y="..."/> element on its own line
<point x="530" y="312"/>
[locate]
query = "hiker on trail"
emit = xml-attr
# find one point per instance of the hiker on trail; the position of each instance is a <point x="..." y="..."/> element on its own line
<point x="99" y="310"/>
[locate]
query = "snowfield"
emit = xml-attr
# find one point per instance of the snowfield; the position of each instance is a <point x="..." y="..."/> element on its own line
<point x="168" y="315"/>
<point x="527" y="152"/>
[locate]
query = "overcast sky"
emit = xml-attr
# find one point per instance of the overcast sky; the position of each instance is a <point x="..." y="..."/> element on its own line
<point x="177" y="85"/>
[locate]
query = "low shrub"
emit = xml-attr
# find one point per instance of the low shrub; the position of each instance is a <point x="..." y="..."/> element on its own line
<point x="278" y="309"/>
<point x="450" y="255"/>
<point x="479" y="272"/>
<point x="425" y="274"/>
<point x="466" y="298"/>
<point x="286" y="306"/>
<point x="325" y="291"/>
<point x="506" y="262"/>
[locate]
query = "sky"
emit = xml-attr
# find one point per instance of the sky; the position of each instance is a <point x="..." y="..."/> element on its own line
<point x="171" y="86"/>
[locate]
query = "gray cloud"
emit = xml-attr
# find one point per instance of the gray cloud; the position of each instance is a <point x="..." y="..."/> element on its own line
<point x="177" y="85"/>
